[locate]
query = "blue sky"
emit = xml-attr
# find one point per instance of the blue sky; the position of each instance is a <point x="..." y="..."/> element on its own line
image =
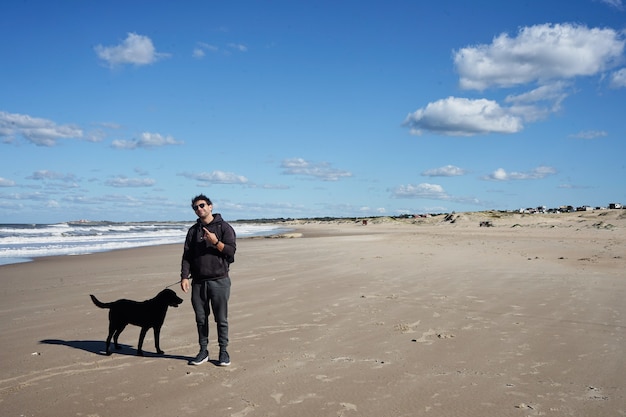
<point x="123" y="111"/>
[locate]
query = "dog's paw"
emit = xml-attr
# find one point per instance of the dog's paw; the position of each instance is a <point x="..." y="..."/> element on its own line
<point x="140" y="353"/>
<point x="109" y="353"/>
<point x="160" y="352"/>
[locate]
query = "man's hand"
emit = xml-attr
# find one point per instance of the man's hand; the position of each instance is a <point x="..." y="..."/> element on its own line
<point x="184" y="284"/>
<point x="210" y="237"/>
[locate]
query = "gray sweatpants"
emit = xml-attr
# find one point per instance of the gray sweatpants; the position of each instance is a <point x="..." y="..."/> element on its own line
<point x="210" y="295"/>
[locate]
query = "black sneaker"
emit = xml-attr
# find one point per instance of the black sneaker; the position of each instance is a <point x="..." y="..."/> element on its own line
<point x="203" y="356"/>
<point x="224" y="358"/>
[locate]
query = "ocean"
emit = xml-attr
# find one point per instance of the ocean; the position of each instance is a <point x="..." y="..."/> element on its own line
<point x="24" y="242"/>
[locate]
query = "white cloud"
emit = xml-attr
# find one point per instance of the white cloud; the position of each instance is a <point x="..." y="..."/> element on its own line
<point x="202" y="48"/>
<point x="499" y="175"/>
<point x="537" y="173"/>
<point x="423" y="190"/>
<point x="618" y="78"/>
<point x="4" y="182"/>
<point x="135" y="49"/>
<point x="547" y="55"/>
<point x="146" y="140"/>
<point x="130" y="182"/>
<point x="430" y="192"/>
<point x="217" y="177"/>
<point x="463" y="117"/>
<point x="538" y="54"/>
<point x="81" y="199"/>
<point x="574" y="187"/>
<point x="613" y="3"/>
<point x="96" y="135"/>
<point x="548" y="92"/>
<point x="589" y="134"/>
<point x="537" y="103"/>
<point x="319" y="170"/>
<point x="51" y="175"/>
<point x="238" y="47"/>
<point x="445" y="171"/>
<point x="120" y="198"/>
<point x="40" y="132"/>
<point x="367" y="210"/>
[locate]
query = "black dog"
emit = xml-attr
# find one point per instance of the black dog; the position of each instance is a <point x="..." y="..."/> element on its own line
<point x="145" y="314"/>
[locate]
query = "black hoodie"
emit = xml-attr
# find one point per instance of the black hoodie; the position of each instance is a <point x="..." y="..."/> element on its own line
<point x="201" y="259"/>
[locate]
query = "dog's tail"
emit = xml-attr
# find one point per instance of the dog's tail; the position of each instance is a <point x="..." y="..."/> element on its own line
<point x="99" y="303"/>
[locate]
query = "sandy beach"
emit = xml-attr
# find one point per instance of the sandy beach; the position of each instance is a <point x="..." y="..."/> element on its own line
<point x="418" y="317"/>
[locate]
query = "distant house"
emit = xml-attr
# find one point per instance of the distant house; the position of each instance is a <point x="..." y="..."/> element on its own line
<point x="615" y="206"/>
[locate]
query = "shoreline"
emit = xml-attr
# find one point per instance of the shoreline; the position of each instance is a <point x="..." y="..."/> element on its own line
<point x="44" y="240"/>
<point x="491" y="218"/>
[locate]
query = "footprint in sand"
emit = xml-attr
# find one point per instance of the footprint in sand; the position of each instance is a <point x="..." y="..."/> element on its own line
<point x="427" y="336"/>
<point x="243" y="412"/>
<point x="325" y="378"/>
<point x="595" y="393"/>
<point x="277" y="397"/>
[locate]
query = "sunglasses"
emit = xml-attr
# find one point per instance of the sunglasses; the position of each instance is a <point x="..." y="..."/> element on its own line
<point x="198" y="206"/>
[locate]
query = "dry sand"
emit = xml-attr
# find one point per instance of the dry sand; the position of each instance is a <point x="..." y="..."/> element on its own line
<point x="397" y="318"/>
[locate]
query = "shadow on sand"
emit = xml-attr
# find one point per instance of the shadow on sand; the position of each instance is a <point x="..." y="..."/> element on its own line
<point x="97" y="347"/>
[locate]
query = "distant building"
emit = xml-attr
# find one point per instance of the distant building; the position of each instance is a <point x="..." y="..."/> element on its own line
<point x="615" y="206"/>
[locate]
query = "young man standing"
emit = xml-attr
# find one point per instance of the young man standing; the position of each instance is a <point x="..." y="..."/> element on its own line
<point x="210" y="248"/>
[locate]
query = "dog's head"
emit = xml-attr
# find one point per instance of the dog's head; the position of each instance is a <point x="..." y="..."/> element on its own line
<point x="170" y="297"/>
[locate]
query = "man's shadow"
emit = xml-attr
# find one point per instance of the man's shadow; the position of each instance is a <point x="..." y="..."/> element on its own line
<point x="98" y="347"/>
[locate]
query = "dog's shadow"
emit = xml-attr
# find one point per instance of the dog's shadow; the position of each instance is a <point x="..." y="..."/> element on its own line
<point x="97" y="347"/>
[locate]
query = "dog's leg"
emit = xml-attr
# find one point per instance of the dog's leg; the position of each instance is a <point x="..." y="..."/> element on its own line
<point x="116" y="336"/>
<point x="157" y="333"/>
<point x="113" y="333"/>
<point x="142" y="335"/>
<point x="108" y="342"/>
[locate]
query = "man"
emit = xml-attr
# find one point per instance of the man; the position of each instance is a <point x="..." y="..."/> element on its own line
<point x="209" y="250"/>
